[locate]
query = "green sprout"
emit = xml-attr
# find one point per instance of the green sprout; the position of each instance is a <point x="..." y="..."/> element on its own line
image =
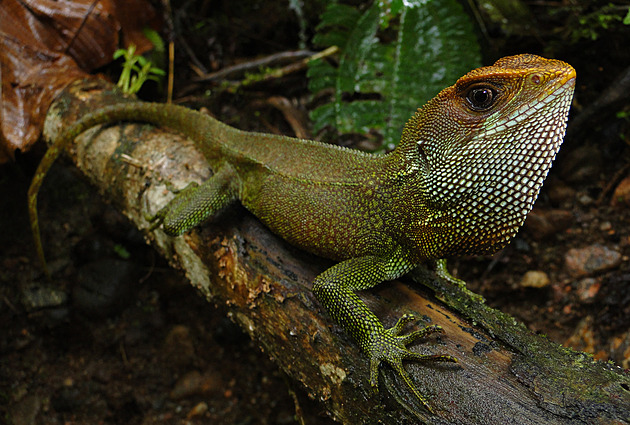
<point x="136" y="70"/>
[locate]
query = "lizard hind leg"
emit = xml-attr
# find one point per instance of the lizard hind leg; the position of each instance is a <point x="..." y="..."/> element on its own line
<point x="195" y="203"/>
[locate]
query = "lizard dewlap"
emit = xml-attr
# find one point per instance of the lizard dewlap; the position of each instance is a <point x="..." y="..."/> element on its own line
<point x="467" y="171"/>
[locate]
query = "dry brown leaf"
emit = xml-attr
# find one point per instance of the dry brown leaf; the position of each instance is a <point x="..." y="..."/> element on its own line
<point x="45" y="45"/>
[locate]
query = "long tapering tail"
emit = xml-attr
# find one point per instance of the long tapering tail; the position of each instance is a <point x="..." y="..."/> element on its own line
<point x="177" y="117"/>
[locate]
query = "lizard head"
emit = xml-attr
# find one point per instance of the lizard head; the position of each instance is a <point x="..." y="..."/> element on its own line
<point x="484" y="146"/>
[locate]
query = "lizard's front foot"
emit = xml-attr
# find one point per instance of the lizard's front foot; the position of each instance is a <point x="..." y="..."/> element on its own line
<point x="387" y="345"/>
<point x="442" y="271"/>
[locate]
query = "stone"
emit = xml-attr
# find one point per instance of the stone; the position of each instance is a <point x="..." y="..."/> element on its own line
<point x="591" y="259"/>
<point x="621" y="195"/>
<point x="535" y="279"/>
<point x="541" y="224"/>
<point x="583" y="164"/>
<point x="105" y="287"/>
<point x="37" y="297"/>
<point x="179" y="347"/>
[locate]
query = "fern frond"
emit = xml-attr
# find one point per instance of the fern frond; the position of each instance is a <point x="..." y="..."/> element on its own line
<point x="378" y="84"/>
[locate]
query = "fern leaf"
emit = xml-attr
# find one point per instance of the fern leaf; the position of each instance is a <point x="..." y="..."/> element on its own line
<point x="378" y="85"/>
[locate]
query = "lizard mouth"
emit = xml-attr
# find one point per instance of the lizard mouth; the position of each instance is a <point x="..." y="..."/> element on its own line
<point x="569" y="75"/>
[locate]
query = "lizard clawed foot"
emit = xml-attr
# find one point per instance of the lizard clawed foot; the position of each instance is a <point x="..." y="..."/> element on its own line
<point x="195" y="203"/>
<point x="171" y="213"/>
<point x="442" y="271"/>
<point x="389" y="346"/>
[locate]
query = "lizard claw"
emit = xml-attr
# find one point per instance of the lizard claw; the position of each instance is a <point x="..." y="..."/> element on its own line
<point x="398" y="327"/>
<point x="169" y="215"/>
<point x="389" y="346"/>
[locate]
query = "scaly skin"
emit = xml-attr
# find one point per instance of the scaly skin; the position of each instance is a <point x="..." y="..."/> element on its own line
<point x="467" y="171"/>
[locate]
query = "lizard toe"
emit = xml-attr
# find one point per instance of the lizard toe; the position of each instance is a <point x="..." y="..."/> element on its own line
<point x="390" y="347"/>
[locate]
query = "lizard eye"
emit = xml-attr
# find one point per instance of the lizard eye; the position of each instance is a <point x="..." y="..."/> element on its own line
<point x="481" y="98"/>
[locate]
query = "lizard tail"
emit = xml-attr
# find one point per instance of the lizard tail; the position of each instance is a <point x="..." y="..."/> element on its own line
<point x="173" y="116"/>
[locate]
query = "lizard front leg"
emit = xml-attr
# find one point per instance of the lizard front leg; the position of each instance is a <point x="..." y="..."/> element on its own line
<point x="335" y="289"/>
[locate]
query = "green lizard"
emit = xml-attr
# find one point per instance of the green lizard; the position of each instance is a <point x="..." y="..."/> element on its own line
<point x="467" y="171"/>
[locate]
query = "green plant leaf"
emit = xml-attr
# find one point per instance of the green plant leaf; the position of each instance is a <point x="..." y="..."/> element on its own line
<point x="136" y="70"/>
<point x="394" y="57"/>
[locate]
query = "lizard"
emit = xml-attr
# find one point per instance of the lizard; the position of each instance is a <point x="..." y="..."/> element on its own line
<point x="467" y="170"/>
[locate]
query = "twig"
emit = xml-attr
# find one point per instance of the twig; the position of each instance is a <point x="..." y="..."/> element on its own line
<point x="290" y="114"/>
<point x="304" y="55"/>
<point x="168" y="14"/>
<point x="612" y="183"/>
<point x="276" y="73"/>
